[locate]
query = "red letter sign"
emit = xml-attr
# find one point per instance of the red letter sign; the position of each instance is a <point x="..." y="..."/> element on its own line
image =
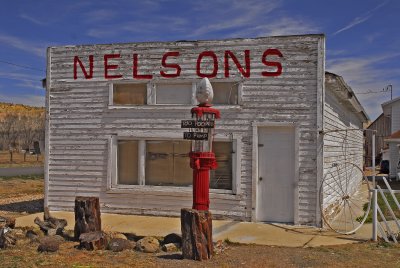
<point x="276" y="64"/>
<point x="111" y="66"/>
<point x="245" y="73"/>
<point x="87" y="76"/>
<point x="207" y="54"/>
<point x="170" y="65"/>
<point x="135" y="69"/>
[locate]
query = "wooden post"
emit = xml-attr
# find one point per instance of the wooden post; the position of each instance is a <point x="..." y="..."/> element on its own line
<point x="87" y="218"/>
<point x="196" y="227"/>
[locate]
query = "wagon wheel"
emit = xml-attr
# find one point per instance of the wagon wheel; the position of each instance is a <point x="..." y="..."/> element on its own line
<point x="345" y="198"/>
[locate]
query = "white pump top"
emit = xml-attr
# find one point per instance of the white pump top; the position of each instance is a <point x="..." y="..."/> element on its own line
<point x="204" y="91"/>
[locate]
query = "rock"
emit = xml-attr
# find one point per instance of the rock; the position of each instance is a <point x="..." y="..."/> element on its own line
<point x="18" y="233"/>
<point x="49" y="244"/>
<point x="148" y="245"/>
<point x="68" y="235"/>
<point x="119" y="244"/>
<point x="171" y="247"/>
<point x="7" y="222"/>
<point x="173" y="238"/>
<point x="51" y="232"/>
<point x="32" y="235"/>
<point x="93" y="240"/>
<point x="219" y="247"/>
<point x="119" y="235"/>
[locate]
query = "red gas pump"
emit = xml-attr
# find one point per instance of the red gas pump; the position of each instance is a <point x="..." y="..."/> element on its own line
<point x="201" y="132"/>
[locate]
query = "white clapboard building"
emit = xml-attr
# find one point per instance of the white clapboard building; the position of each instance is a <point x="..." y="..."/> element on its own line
<point x="114" y="125"/>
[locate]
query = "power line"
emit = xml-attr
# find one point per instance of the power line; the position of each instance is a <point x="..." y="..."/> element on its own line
<point x="22" y="66"/>
<point x="384" y="90"/>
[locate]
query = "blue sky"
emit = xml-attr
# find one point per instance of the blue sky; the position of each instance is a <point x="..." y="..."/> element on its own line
<point x="362" y="43"/>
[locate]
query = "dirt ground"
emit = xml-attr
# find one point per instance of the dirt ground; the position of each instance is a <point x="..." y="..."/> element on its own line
<point x="23" y="195"/>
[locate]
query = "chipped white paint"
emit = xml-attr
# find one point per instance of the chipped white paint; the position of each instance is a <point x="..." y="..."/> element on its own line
<point x="82" y="122"/>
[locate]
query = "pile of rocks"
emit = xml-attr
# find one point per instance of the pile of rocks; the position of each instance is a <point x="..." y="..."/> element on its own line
<point x="118" y="242"/>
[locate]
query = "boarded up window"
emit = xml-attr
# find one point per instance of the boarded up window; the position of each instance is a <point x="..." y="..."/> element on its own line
<point x="225" y="93"/>
<point x="130" y="94"/>
<point x="167" y="163"/>
<point x="174" y="93"/>
<point x="127" y="162"/>
<point x="221" y="178"/>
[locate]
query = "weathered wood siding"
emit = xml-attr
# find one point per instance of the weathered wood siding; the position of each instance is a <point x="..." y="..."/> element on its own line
<point x="396" y="116"/>
<point x="81" y="123"/>
<point x="341" y="147"/>
<point x="383" y="130"/>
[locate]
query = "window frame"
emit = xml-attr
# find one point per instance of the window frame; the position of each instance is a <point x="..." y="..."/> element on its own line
<point x="112" y="176"/>
<point x="152" y="94"/>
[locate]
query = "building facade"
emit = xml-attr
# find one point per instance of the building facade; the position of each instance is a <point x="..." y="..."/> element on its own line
<point x="113" y="126"/>
<point x="391" y="109"/>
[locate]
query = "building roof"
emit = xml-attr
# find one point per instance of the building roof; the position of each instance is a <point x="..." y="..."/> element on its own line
<point x="386" y="106"/>
<point x="395" y="137"/>
<point x="376" y="120"/>
<point x="390" y="102"/>
<point x="344" y="92"/>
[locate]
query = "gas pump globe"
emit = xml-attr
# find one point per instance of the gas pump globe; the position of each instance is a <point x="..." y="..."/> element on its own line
<point x="201" y="132"/>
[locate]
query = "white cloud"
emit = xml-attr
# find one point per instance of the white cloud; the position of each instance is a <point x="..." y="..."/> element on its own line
<point x="24" y="80"/>
<point x="361" y="19"/>
<point x="24" y="45"/>
<point x="31" y="19"/>
<point x="233" y="14"/>
<point x="100" y="15"/>
<point x="32" y="100"/>
<point x="144" y="28"/>
<point x="367" y="74"/>
<point x="282" y="26"/>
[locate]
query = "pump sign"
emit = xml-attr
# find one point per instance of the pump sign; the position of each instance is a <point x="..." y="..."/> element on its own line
<point x="197" y="124"/>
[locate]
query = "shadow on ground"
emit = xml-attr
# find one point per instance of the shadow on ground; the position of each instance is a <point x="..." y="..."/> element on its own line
<point x="175" y="256"/>
<point x="33" y="206"/>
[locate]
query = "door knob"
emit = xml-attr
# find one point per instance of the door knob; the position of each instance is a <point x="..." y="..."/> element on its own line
<point x="260" y="178"/>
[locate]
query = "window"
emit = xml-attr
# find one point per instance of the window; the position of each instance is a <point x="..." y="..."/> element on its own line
<point x="166" y="163"/>
<point x="225" y="93"/>
<point x="129" y="94"/>
<point x="127" y="162"/>
<point x="221" y="178"/>
<point x="174" y="93"/>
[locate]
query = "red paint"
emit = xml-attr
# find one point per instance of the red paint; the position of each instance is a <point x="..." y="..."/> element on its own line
<point x="175" y="69"/>
<point x="215" y="61"/>
<point x="245" y="73"/>
<point x="87" y="76"/>
<point x="278" y="65"/>
<point x="170" y="65"/>
<point x="135" y="69"/>
<point x="201" y="163"/>
<point x="108" y="67"/>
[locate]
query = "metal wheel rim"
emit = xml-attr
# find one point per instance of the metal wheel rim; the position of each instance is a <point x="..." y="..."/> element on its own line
<point x="366" y="212"/>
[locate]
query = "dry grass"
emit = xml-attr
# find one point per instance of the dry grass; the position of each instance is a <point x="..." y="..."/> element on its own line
<point x="25" y="254"/>
<point x="18" y="160"/>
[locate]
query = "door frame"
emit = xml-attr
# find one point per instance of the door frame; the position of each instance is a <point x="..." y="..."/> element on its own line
<point x="256" y="126"/>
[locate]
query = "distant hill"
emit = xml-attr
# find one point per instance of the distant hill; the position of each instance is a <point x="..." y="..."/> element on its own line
<point x="20" y="109"/>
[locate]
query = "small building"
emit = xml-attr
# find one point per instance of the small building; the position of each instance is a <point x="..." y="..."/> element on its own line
<point x="114" y="114"/>
<point x="391" y="109"/>
<point x="382" y="127"/>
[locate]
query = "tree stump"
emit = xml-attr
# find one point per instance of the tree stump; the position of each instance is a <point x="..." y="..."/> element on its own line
<point x="196" y="229"/>
<point x="87" y="218"/>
